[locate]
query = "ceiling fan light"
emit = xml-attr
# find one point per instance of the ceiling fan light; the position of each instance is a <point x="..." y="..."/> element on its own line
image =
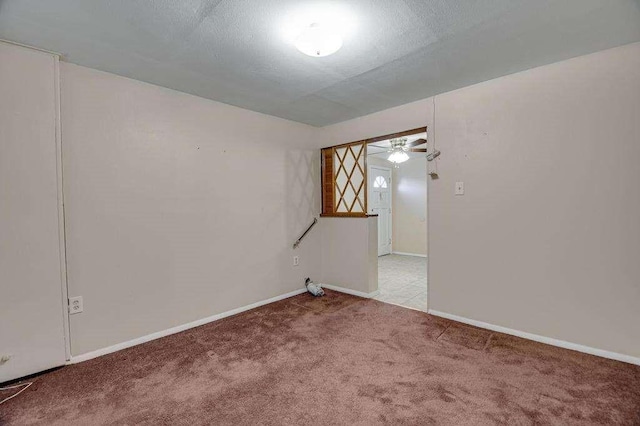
<point x="398" y="156"/>
<point x="318" y="41"/>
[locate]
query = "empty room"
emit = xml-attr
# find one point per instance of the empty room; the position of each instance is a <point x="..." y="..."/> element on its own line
<point x="323" y="212"/>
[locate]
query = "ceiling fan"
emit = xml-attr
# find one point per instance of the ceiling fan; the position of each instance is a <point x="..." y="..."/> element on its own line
<point x="400" y="147"/>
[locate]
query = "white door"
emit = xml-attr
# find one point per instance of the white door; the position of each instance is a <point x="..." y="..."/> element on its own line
<point x="379" y="203"/>
<point x="32" y="335"/>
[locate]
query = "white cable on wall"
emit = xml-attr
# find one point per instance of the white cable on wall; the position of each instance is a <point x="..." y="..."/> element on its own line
<point x="434" y="122"/>
<point x="432" y="165"/>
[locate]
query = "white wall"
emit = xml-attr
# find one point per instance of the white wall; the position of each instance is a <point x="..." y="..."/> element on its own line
<point x="398" y="119"/>
<point x="349" y="253"/>
<point x="377" y="161"/>
<point x="178" y="208"/>
<point x="409" y="185"/>
<point x="546" y="238"/>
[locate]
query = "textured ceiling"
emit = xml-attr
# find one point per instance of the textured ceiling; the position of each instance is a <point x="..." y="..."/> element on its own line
<point x="395" y="51"/>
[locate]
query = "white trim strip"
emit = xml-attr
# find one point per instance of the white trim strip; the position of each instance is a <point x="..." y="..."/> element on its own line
<point x="94" y="354"/>
<point x="64" y="283"/>
<point x="409" y="254"/>
<point x="542" y="339"/>
<point x="351" y="292"/>
<point x="15" y="43"/>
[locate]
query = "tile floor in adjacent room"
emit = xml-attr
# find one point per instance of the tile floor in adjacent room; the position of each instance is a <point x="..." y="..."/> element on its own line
<point x="402" y="280"/>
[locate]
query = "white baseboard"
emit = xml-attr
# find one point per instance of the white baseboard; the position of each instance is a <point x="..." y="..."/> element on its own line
<point x="177" y="329"/>
<point x="408" y="254"/>
<point x="351" y="292"/>
<point x="542" y="339"/>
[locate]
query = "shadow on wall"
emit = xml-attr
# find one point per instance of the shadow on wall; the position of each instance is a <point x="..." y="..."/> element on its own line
<point x="303" y="198"/>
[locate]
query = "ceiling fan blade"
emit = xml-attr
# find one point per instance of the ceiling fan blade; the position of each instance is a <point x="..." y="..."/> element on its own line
<point x="378" y="146"/>
<point x="417" y="149"/>
<point x="417" y="142"/>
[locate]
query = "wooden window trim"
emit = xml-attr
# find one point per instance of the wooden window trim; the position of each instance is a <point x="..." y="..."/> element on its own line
<point x="384" y="137"/>
<point x="328" y="175"/>
<point x="330" y="171"/>
<point x="352" y="215"/>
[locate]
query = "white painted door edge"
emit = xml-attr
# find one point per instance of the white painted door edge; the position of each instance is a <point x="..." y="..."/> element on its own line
<point x="351" y="292"/>
<point x="117" y="347"/>
<point x="542" y="339"/>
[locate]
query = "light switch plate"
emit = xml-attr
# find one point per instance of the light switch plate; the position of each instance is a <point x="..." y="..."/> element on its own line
<point x="459" y="188"/>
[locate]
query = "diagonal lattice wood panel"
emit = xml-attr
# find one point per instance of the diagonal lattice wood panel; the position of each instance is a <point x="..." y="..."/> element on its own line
<point x="344" y="175"/>
<point x="350" y="178"/>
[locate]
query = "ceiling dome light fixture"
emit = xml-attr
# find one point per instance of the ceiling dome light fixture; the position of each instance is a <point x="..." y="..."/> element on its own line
<point x="398" y="151"/>
<point x="398" y="156"/>
<point x="318" y="41"/>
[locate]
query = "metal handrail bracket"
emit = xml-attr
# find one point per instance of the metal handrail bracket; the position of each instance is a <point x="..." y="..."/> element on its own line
<point x="297" y="243"/>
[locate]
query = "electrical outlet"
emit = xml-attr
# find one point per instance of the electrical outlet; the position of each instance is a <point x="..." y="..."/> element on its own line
<point x="75" y="305"/>
<point x="296" y="260"/>
<point x="459" y="188"/>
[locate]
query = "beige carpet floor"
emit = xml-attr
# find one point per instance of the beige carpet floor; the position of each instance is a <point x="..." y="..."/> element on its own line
<point x="337" y="360"/>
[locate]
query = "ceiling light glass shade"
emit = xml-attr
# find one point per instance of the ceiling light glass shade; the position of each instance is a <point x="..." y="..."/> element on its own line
<point x="398" y="157"/>
<point x="318" y="41"/>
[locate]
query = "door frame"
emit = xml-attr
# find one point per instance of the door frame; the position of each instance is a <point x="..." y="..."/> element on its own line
<point x="391" y="180"/>
<point x="430" y="147"/>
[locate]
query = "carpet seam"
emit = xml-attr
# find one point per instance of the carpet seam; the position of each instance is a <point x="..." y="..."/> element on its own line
<point x="443" y="331"/>
<point x="486" y="345"/>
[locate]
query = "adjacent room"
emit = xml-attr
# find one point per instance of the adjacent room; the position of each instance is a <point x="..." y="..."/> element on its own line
<point x="288" y="212"/>
<point x="397" y="194"/>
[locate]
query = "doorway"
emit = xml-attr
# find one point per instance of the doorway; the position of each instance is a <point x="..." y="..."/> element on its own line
<point x="397" y="193"/>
